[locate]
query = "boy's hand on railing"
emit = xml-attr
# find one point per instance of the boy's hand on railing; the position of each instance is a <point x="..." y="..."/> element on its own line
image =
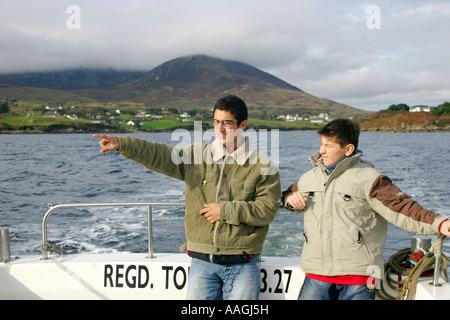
<point x="108" y="143"/>
<point x="445" y="228"/>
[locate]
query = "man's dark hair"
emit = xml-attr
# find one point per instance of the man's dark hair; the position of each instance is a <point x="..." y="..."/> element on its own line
<point x="235" y="105"/>
<point x="346" y="132"/>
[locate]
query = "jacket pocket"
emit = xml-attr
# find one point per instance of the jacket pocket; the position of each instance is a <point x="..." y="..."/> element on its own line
<point x="204" y="188"/>
<point x="314" y="193"/>
<point x="352" y="207"/>
<point x="231" y="236"/>
<point x="360" y="241"/>
<point x="314" y="204"/>
<point x="242" y="190"/>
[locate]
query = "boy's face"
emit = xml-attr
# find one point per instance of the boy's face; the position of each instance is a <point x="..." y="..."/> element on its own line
<point x="227" y="133"/>
<point x="332" y="151"/>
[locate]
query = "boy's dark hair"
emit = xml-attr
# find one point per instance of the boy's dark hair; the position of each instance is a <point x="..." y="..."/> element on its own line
<point x="346" y="132"/>
<point x="233" y="104"/>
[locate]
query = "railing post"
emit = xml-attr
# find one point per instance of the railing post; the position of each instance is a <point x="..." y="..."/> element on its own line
<point x="437" y="267"/>
<point x="5" y="246"/>
<point x="150" y="231"/>
<point x="44" y="230"/>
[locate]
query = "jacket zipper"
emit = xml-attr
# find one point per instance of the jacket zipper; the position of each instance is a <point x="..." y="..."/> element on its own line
<point x="366" y="248"/>
<point x="359" y="237"/>
<point x="216" y="198"/>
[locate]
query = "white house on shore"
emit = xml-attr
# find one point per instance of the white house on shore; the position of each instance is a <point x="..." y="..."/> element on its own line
<point x="420" y="109"/>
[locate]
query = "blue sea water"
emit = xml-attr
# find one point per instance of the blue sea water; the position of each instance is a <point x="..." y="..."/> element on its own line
<point x="67" y="168"/>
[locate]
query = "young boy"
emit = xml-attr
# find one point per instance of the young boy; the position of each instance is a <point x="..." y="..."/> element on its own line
<point x="347" y="204"/>
<point x="232" y="194"/>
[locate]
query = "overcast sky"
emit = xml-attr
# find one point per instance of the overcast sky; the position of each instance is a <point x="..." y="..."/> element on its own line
<point x="367" y="54"/>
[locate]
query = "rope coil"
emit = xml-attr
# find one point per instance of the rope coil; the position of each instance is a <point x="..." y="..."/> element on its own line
<point x="54" y="249"/>
<point x="407" y="288"/>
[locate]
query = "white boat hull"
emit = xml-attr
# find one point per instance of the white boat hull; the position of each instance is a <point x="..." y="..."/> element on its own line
<point x="134" y="276"/>
<point x="127" y="276"/>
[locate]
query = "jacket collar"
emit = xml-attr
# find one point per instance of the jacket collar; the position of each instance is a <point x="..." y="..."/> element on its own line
<point x="316" y="160"/>
<point x="240" y="155"/>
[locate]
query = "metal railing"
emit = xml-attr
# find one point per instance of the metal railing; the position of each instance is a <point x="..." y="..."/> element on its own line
<point x="149" y="207"/>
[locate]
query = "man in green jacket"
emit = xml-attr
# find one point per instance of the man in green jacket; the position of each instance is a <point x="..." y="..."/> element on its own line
<point x="347" y="204"/>
<point x="232" y="194"/>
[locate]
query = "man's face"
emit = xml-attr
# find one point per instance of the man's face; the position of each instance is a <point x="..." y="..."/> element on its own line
<point x="332" y="151"/>
<point x="227" y="132"/>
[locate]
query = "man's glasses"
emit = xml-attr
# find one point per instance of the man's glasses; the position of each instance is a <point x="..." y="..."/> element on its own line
<point x="225" y="123"/>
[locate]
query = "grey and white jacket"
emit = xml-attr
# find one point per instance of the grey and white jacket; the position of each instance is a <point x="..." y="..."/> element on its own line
<point x="346" y="215"/>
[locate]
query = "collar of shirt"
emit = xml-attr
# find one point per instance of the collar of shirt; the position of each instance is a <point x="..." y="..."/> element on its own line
<point x="240" y="154"/>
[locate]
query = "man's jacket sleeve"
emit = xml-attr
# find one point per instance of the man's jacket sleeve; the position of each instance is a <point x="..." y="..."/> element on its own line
<point x="152" y="155"/>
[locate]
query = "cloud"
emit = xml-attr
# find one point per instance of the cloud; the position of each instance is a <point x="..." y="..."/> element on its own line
<point x="325" y="48"/>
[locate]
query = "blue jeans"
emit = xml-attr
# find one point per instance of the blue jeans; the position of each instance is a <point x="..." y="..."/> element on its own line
<point x="210" y="281"/>
<point x="319" y="290"/>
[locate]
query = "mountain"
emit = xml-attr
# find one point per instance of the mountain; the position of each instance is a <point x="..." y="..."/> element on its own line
<point x="72" y="79"/>
<point x="196" y="82"/>
<point x="193" y="82"/>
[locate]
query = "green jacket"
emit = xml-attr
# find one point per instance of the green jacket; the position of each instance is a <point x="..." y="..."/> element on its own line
<point x="346" y="217"/>
<point x="245" y="183"/>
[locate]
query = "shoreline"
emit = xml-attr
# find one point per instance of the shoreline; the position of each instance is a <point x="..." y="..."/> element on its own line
<point x="106" y="131"/>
